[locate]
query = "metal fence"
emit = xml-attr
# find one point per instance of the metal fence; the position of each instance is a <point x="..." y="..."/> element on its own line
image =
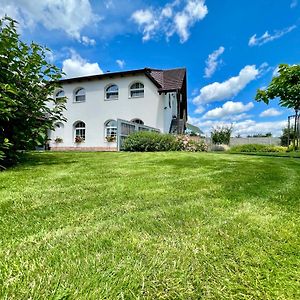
<point x="125" y="128"/>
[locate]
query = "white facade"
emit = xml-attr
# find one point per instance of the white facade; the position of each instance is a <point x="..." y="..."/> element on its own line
<point x="153" y="108"/>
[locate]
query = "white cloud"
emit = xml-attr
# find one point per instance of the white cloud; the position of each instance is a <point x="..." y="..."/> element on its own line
<point x="244" y="128"/>
<point x="70" y="16"/>
<point x="270" y="112"/>
<point x="87" y="41"/>
<point x="219" y="91"/>
<point x="76" y="66"/>
<point x="200" y="109"/>
<point x="294" y="3"/>
<point x="212" y="62"/>
<point x="170" y="19"/>
<point x="142" y="17"/>
<point x="267" y="37"/>
<point x="229" y="110"/>
<point x="194" y="11"/>
<point x="120" y="63"/>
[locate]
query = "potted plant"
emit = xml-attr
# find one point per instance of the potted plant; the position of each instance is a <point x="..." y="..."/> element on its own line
<point x="58" y="140"/>
<point x="78" y="139"/>
<point x="110" y="139"/>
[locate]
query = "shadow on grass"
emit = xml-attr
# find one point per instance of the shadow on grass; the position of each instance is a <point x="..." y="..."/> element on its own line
<point x="31" y="159"/>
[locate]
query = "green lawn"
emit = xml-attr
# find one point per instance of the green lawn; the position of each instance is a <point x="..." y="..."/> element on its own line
<point x="150" y="226"/>
<point x="275" y="154"/>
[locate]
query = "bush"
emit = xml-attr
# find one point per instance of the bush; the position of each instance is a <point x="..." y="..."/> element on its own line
<point x="292" y="148"/>
<point x="221" y="135"/>
<point x="146" y="141"/>
<point x="185" y="143"/>
<point x="257" y="148"/>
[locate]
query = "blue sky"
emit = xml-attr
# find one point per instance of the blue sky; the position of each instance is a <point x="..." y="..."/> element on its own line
<point x="230" y="47"/>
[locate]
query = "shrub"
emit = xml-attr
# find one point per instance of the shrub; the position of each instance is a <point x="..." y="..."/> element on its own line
<point x="257" y="148"/>
<point x="292" y="148"/>
<point x="185" y="143"/>
<point x="284" y="137"/>
<point x="146" y="141"/>
<point x="27" y="109"/>
<point x="221" y="135"/>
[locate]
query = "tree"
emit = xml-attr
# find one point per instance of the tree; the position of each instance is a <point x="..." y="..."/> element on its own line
<point x="26" y="81"/>
<point x="286" y="136"/>
<point x="286" y="87"/>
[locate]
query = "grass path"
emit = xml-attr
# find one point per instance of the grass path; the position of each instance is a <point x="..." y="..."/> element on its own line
<point x="150" y="226"/>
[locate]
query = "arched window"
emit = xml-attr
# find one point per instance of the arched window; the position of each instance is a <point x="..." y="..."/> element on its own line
<point x="80" y="95"/>
<point x="111" y="130"/>
<point x="112" y="92"/>
<point x="79" y="132"/>
<point x="60" y="94"/>
<point x="137" y="90"/>
<point x="137" y="121"/>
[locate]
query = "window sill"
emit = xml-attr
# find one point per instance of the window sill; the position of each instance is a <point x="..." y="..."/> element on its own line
<point x="137" y="97"/>
<point x="111" y="99"/>
<point x="79" y="101"/>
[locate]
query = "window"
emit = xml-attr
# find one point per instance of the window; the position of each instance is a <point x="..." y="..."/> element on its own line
<point x="137" y="121"/>
<point x="60" y="94"/>
<point x="137" y="90"/>
<point x="80" y="95"/>
<point x="111" y="130"/>
<point x="79" y="132"/>
<point x="112" y="92"/>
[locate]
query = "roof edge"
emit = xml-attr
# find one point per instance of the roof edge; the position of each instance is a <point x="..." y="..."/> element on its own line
<point x="145" y="71"/>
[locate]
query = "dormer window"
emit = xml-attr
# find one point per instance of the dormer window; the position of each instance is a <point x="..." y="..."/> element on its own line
<point x="137" y="90"/>
<point x="112" y="92"/>
<point x="80" y="95"/>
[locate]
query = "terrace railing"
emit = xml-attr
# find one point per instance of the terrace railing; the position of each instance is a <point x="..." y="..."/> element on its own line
<point x="125" y="128"/>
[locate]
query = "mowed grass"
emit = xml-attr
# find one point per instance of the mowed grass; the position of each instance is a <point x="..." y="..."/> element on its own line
<point x="150" y="226"/>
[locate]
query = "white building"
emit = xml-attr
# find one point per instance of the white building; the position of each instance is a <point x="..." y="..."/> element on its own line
<point x="155" y="98"/>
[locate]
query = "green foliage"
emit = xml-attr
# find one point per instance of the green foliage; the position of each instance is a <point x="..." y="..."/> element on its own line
<point x="185" y="143"/>
<point x="253" y="148"/>
<point x="286" y="87"/>
<point x="284" y="136"/>
<point x="292" y="147"/>
<point x="26" y="110"/>
<point x="221" y="135"/>
<point x="4" y="146"/>
<point x="147" y="141"/>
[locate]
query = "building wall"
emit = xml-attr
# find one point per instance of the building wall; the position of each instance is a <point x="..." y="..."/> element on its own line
<point x="170" y="109"/>
<point x="95" y="111"/>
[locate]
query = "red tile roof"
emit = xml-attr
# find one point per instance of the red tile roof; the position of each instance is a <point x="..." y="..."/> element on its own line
<point x="172" y="79"/>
